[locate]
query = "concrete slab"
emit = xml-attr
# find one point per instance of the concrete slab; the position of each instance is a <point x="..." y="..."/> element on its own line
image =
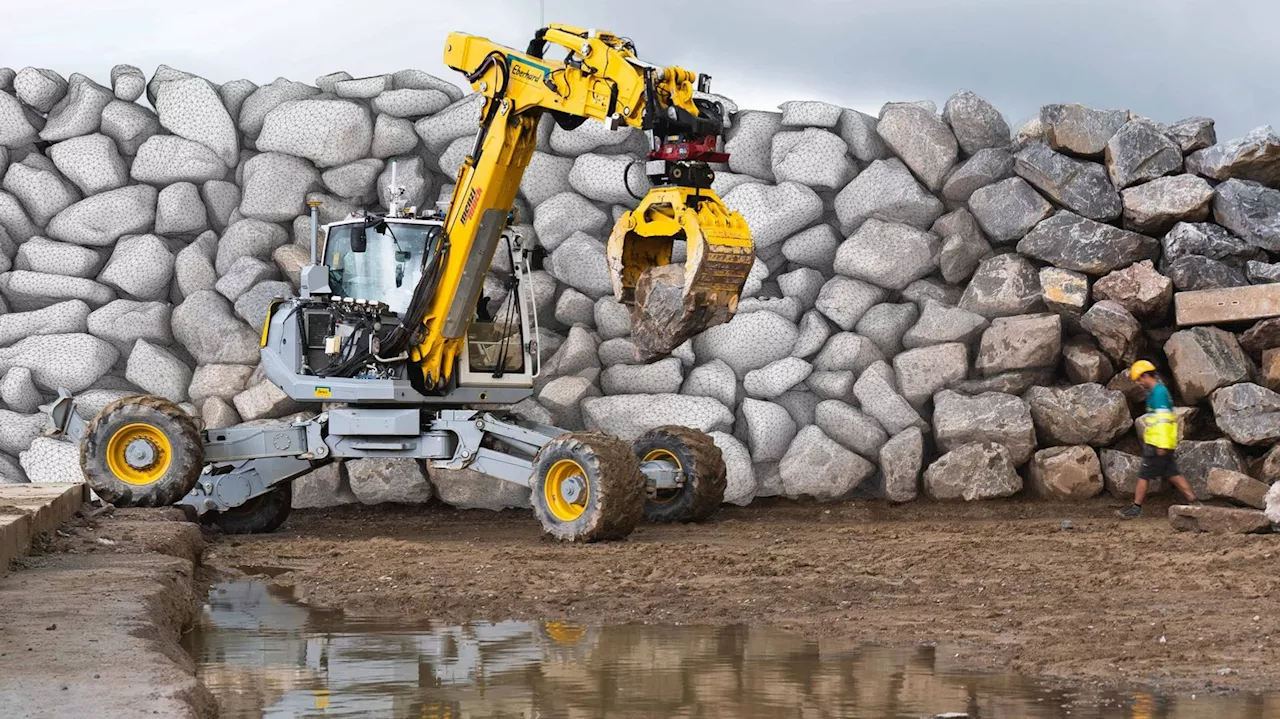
<point x="27" y="510"/>
<point x="1230" y="304"/>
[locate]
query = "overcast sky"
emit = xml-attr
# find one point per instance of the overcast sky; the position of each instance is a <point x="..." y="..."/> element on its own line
<point x="1165" y="59"/>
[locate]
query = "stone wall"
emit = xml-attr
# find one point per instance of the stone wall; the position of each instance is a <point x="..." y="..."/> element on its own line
<point x="939" y="306"/>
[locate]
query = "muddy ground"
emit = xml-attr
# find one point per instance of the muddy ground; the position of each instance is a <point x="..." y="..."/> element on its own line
<point x="1004" y="583"/>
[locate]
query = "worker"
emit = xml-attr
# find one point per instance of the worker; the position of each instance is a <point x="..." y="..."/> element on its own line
<point x="1160" y="439"/>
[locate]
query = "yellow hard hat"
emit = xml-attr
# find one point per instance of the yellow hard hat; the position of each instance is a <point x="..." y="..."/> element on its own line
<point x="1140" y="368"/>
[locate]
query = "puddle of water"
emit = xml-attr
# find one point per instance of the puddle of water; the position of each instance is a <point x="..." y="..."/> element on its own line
<point x="264" y="655"/>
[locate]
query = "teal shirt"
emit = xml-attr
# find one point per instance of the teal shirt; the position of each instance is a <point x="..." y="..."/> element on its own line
<point x="1159" y="399"/>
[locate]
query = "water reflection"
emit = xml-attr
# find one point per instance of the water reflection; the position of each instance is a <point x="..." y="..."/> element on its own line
<point x="263" y="655"/>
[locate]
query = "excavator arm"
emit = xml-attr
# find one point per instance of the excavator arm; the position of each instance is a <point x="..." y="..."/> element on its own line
<point x="600" y="79"/>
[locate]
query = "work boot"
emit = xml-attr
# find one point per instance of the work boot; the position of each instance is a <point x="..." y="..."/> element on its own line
<point x="1133" y="511"/>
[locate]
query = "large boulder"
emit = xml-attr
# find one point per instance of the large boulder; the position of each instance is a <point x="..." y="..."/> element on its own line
<point x="976" y="123"/>
<point x="275" y="186"/>
<point x="852" y="428"/>
<point x="750" y="144"/>
<point x="191" y="108"/>
<point x="888" y="191"/>
<point x="766" y="428"/>
<point x="774" y="213"/>
<point x="1081" y="187"/>
<point x="1203" y="359"/>
<point x="886" y="323"/>
<point x="124" y="322"/>
<point x="562" y="397"/>
<point x="1120" y="474"/>
<point x="921" y="139"/>
<point x="1218" y="520"/>
<point x="923" y="372"/>
<point x="1197" y="459"/>
<point x="817" y="466"/>
<point x="1083" y="362"/>
<point x="1072" y="242"/>
<point x="940" y="324"/>
<point x="977" y="470"/>
<point x="777" y="377"/>
<point x="1256" y="156"/>
<point x="1141" y="151"/>
<point x="1248" y="413"/>
<point x="1081" y="414"/>
<point x="1187" y="239"/>
<point x="79" y="112"/>
<point x="205" y="326"/>
<point x="986" y="167"/>
<point x="91" y="162"/>
<point x="580" y="263"/>
<point x="991" y="416"/>
<point x="614" y="179"/>
<point x="68" y="317"/>
<point x="858" y="130"/>
<point x="1250" y="210"/>
<point x="245" y="238"/>
<point x="1020" y="342"/>
<point x="1071" y="473"/>
<point x="1193" y="133"/>
<point x="901" y="460"/>
<point x="888" y="254"/>
<point x="469" y="489"/>
<point x="1116" y="330"/>
<point x="166" y="159"/>
<point x="157" y="371"/>
<point x="262" y="100"/>
<point x="812" y="157"/>
<point x="963" y="245"/>
<point x="747" y="342"/>
<point x="661" y="377"/>
<point x="1064" y="292"/>
<point x="129" y="124"/>
<point x="1155" y="207"/>
<point x="41" y="190"/>
<point x="561" y="216"/>
<point x="56" y="258"/>
<point x="1139" y="288"/>
<point x="378" y="480"/>
<point x="70" y="361"/>
<point x="36" y="290"/>
<point x="1009" y="209"/>
<point x="844" y="300"/>
<point x="1195" y="272"/>
<point x="1080" y="130"/>
<point x="627" y="416"/>
<point x="1002" y="285"/>
<point x="877" y="391"/>
<point x="1237" y="487"/>
<point x="140" y="267"/>
<point x="846" y="351"/>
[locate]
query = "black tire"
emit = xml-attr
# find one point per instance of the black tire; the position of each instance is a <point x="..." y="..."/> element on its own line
<point x="172" y="453"/>
<point x="612" y="501"/>
<point x="700" y="461"/>
<point x="261" y="515"/>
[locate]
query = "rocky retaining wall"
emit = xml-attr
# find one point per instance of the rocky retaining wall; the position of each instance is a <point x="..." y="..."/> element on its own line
<point x="939" y="306"/>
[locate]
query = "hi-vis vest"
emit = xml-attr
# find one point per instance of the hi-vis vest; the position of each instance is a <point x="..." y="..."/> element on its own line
<point x="1161" y="429"/>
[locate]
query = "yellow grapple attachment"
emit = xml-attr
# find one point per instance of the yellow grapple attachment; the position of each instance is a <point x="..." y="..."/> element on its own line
<point x="671" y="303"/>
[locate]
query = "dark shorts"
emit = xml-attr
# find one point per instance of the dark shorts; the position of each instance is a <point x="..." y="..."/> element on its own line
<point x="1157" y="466"/>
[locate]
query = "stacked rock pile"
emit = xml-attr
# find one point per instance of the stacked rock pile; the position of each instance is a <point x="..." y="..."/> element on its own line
<point x="938" y="305"/>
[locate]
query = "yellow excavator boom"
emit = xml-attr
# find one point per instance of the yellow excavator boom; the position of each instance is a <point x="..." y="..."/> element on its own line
<point x="600" y="79"/>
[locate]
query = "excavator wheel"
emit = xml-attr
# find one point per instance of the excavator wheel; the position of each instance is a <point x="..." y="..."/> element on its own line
<point x="587" y="487"/>
<point x="261" y="515"/>
<point x="142" y="452"/>
<point x="700" y="462"/>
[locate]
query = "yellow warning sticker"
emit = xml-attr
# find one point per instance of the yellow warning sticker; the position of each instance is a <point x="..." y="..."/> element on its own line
<point x="323" y="392"/>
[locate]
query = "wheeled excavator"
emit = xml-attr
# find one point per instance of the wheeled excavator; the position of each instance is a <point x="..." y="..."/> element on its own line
<point x="389" y="338"/>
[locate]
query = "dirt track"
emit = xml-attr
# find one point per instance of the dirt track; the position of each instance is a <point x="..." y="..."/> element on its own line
<point x="1004" y="583"/>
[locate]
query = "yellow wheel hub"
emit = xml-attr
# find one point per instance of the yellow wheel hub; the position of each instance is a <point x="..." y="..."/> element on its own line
<point x="566" y="490"/>
<point x="663" y="496"/>
<point x="139" y="454"/>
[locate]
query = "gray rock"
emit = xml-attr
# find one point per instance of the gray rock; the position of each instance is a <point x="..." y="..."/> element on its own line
<point x="923" y="372"/>
<point x="812" y="157"/>
<point x="1257" y="339"/>
<point x="773" y="379"/>
<point x="1072" y="242"/>
<point x="927" y="289"/>
<point x="563" y="215"/>
<point x="248" y="238"/>
<point x="124" y="322"/>
<point x="740" y="477"/>
<point x="1020" y="342"/>
<point x="803" y="284"/>
<point x="886" y="323"/>
<point x="192" y="109"/>
<point x="814" y="333"/>
<point x="852" y="428"/>
<point x="243" y="275"/>
<point x="1009" y="209"/>
<point x="887" y="191"/>
<point x="809" y="113"/>
<point x="661" y="377"/>
<point x="1256" y="157"/>
<point x="221" y="199"/>
<point x="847" y="351"/>
<point x="91" y="162"/>
<point x="1239" y="488"/>
<point x="376" y="480"/>
<point x="251" y="306"/>
<point x="166" y="159"/>
<point x="180" y="211"/>
<point x="128" y="82"/>
<point x="1079" y="186"/>
<point x="36" y="290"/>
<point x="1250" y="210"/>
<point x="766" y="428"/>
<point x="921" y="139"/>
<point x="817" y="466"/>
<point x="275" y="186"/>
<point x="1197" y="459"/>
<point x="19" y="126"/>
<point x="939" y="324"/>
<point x="986" y="167"/>
<point x="1120" y="472"/>
<point x="258" y="104"/>
<point x="1155" y="207"/>
<point x="56" y="258"/>
<point x="193" y="268"/>
<point x="1116" y="330"/>
<point x="751" y="142"/>
<point x="1084" y="362"/>
<point x="963" y="246"/>
<point x="1195" y="272"/>
<point x="1247" y="413"/>
<point x="815" y="248"/>
<point x="1016" y="382"/>
<point x="858" y="130"/>
<point x="205" y="326"/>
<point x="1064" y="292"/>
<point x="219" y="381"/>
<point x="1069" y="473"/>
<point x="978" y="470"/>
<point x="775" y="213"/>
<point x="469" y="489"/>
<point x="888" y="254"/>
<point x="41" y="190"/>
<point x="129" y="125"/>
<point x="323" y="487"/>
<point x="39" y="88"/>
<point x="79" y="112"/>
<point x="1002" y="285"/>
<point x="140" y="267"/>
<point x="14" y="220"/>
<point x="264" y="400"/>
<point x="976" y="124"/>
<point x="627" y="416"/>
<point x="1261" y="273"/>
<point x="1193" y="133"/>
<point x="18" y="391"/>
<point x="748" y="342"/>
<point x="1141" y="151"/>
<point x="991" y="416"/>
<point x="788" y="308"/>
<point x="1080" y="130"/>
<point x="68" y="361"/>
<point x="52" y="460"/>
<point x="844" y="300"/>
<point x="877" y="392"/>
<point x="1082" y="414"/>
<point x="831" y="384"/>
<point x="1203" y="359"/>
<point x="158" y="372"/>
<point x="562" y="397"/>
<point x="1139" y="288"/>
<point x="17" y="431"/>
<point x="60" y="318"/>
<point x="901" y="460"/>
<point x="459" y="119"/>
